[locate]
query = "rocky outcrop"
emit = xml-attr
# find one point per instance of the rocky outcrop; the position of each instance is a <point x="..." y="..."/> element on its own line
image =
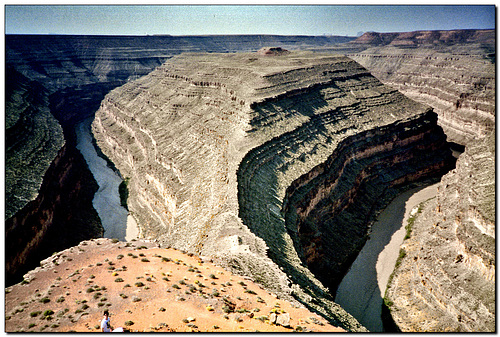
<point x="210" y="157"/>
<point x="146" y="289"/>
<point x="453" y="71"/>
<point x="446" y="280"/>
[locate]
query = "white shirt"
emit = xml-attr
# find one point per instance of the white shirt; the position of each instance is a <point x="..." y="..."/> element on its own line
<point x="105" y="325"/>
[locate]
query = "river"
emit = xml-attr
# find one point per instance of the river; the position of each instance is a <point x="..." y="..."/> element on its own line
<point x="362" y="290"/>
<point x="116" y="220"/>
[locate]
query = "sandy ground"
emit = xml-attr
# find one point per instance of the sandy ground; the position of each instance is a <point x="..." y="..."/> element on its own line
<point x="115" y="219"/>
<point x="145" y="288"/>
<point x="362" y="290"/>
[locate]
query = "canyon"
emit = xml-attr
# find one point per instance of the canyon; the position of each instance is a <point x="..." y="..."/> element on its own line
<point x="263" y="174"/>
<point x="243" y="171"/>
<point x="52" y="84"/>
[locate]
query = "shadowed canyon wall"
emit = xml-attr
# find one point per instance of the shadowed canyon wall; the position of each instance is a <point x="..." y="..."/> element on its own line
<point x="446" y="280"/>
<point x="210" y="157"/>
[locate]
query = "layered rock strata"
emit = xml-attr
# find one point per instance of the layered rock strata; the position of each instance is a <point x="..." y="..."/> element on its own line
<point x="446" y="280"/>
<point x="32" y="139"/>
<point x="453" y="71"/>
<point x="210" y="156"/>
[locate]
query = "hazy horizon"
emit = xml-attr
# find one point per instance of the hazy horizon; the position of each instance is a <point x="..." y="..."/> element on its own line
<point x="198" y="20"/>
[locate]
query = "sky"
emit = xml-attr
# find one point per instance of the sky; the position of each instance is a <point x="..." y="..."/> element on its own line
<point x="348" y="20"/>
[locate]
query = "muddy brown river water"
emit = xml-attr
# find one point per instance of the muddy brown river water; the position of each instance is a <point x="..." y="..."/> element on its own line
<point x="115" y="219"/>
<point x="362" y="290"/>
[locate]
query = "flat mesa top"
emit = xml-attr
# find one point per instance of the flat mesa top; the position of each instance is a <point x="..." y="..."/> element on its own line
<point x="256" y="74"/>
<point x="264" y="64"/>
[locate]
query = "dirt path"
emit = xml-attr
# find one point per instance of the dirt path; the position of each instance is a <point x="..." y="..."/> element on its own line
<point x="115" y="219"/>
<point x="361" y="291"/>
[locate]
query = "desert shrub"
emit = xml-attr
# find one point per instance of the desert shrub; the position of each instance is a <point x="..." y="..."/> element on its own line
<point x="44" y="300"/>
<point x="119" y="257"/>
<point x="60" y="299"/>
<point x="90" y="290"/>
<point x="250" y="292"/>
<point x="176" y="286"/>
<point x="212" y="276"/>
<point x="139" y="284"/>
<point x="129" y="323"/>
<point x="144" y="259"/>
<point x="119" y="279"/>
<point x="35" y="313"/>
<point x="48" y="313"/>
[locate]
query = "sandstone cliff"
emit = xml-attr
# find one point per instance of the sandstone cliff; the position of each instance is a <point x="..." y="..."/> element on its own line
<point x="446" y="281"/>
<point x="210" y="158"/>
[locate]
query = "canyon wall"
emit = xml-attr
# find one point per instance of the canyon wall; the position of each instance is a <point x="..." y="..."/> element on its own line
<point x="453" y="71"/>
<point x="32" y="139"/>
<point x="446" y="280"/>
<point x="210" y="158"/>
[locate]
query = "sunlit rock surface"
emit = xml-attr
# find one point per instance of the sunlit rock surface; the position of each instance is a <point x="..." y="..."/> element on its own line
<point x="211" y="143"/>
<point x="446" y="281"/>
<point x="453" y="71"/>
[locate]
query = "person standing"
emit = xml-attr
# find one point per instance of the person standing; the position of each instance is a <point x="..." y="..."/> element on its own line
<point x="105" y="324"/>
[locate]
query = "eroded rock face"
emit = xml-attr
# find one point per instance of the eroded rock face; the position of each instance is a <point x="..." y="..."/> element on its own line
<point x="446" y="281"/>
<point x="210" y="156"/>
<point x="33" y="138"/>
<point x="60" y="216"/>
<point x="453" y="71"/>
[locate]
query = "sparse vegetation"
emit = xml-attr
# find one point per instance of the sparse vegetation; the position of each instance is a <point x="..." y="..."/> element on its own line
<point x="45" y="300"/>
<point x="123" y="191"/>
